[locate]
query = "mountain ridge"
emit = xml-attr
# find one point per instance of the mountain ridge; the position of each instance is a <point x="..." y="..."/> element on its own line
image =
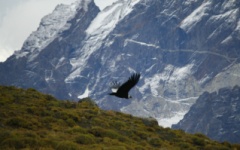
<point x="181" y="50"/>
<point x="215" y="114"/>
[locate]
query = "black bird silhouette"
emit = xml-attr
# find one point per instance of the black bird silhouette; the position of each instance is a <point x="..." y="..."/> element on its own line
<point x="122" y="90"/>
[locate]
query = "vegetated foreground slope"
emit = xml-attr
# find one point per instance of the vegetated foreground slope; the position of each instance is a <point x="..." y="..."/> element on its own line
<point x="31" y="120"/>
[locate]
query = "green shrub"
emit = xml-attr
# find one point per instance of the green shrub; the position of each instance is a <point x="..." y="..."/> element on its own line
<point x="68" y="104"/>
<point x="98" y="121"/>
<point x="115" y="148"/>
<point x="13" y="142"/>
<point x="4" y="134"/>
<point x="87" y="103"/>
<point x="49" y="97"/>
<point x="139" y="147"/>
<point x="100" y="132"/>
<point x="19" y="142"/>
<point x="183" y="145"/>
<point x="97" y="131"/>
<point x="150" y="122"/>
<point x="227" y="144"/>
<point x="200" y="135"/>
<point x="48" y="119"/>
<point x="77" y="130"/>
<point x="142" y="134"/>
<point x="155" y="142"/>
<point x="214" y="147"/>
<point x="198" y="141"/>
<point x="118" y="124"/>
<point x="85" y="139"/>
<point x="236" y="146"/>
<point x="17" y="122"/>
<point x="70" y="122"/>
<point x="67" y="145"/>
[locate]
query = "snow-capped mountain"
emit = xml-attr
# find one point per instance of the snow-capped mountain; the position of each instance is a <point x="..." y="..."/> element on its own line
<point x="50" y="26"/>
<point x="180" y="48"/>
<point x="216" y="115"/>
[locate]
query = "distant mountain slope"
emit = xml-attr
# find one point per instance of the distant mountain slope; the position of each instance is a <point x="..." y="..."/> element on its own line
<point x="216" y="115"/>
<point x="31" y="120"/>
<point x="181" y="49"/>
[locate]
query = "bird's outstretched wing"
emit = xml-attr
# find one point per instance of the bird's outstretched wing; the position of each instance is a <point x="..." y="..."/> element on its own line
<point x="115" y="86"/>
<point x="130" y="83"/>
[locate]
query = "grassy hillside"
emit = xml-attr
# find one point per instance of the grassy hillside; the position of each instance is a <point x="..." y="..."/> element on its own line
<point x="31" y="120"/>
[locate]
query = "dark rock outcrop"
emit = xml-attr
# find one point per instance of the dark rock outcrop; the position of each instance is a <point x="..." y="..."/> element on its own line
<point x="216" y="115"/>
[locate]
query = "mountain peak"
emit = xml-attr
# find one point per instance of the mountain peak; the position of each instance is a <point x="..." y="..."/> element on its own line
<point x="51" y="26"/>
<point x="181" y="49"/>
<point x="102" y="25"/>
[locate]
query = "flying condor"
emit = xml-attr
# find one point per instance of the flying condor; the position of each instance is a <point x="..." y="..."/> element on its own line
<point x="122" y="90"/>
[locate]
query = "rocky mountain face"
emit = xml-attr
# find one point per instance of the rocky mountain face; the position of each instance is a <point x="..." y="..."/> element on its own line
<point x="216" y="115"/>
<point x="181" y="49"/>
